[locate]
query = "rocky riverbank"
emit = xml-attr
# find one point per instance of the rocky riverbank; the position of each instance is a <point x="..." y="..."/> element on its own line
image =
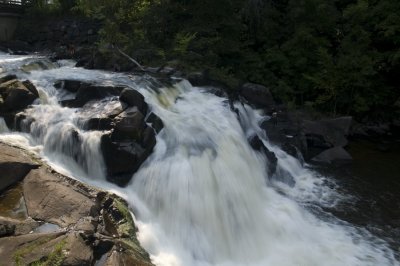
<point x="49" y="219"/>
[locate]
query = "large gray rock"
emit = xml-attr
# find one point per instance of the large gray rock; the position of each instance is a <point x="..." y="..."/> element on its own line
<point x="286" y="133"/>
<point x="93" y="223"/>
<point x="43" y="204"/>
<point x="334" y="131"/>
<point x="325" y="134"/>
<point x="16" y="95"/>
<point x="70" y="85"/>
<point x="14" y="166"/>
<point x="94" y="92"/>
<point x="99" y="115"/>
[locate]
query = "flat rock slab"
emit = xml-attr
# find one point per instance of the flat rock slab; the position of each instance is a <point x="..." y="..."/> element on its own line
<point x="25" y="249"/>
<point x="14" y="166"/>
<point x="48" y="198"/>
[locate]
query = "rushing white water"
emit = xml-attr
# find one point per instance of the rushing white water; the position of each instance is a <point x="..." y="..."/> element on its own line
<point x="203" y="197"/>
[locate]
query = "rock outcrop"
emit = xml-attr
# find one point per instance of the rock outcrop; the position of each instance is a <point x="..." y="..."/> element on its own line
<point x="65" y="222"/>
<point x="16" y="95"/>
<point x="128" y="140"/>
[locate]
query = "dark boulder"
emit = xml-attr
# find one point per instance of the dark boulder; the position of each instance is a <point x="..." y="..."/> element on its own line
<point x="333" y="131"/>
<point x="16" y="96"/>
<point x="325" y="134"/>
<point x="257" y="95"/>
<point x="99" y="115"/>
<point x="94" y="92"/>
<point x="155" y="122"/>
<point x="70" y="85"/>
<point x="198" y="79"/>
<point x="129" y="125"/>
<point x="127" y="145"/>
<point x="287" y="134"/>
<point x="133" y="98"/>
<point x="256" y="143"/>
<point x="7" y="78"/>
<point x="29" y="85"/>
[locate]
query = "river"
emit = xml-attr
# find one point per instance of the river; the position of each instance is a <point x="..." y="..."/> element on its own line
<point x="203" y="197"/>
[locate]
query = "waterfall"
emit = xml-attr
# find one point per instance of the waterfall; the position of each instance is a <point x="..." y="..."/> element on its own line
<point x="203" y="197"/>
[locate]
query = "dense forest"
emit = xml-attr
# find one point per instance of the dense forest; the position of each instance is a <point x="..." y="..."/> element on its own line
<point x="335" y="56"/>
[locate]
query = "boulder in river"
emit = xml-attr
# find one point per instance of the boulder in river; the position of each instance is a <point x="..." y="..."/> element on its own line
<point x="133" y="98"/>
<point x="127" y="145"/>
<point x="95" y="92"/>
<point x="286" y="133"/>
<point x="16" y="95"/>
<point x="70" y="85"/>
<point x="325" y="134"/>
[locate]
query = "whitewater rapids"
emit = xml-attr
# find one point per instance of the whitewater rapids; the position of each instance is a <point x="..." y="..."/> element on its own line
<point x="203" y="197"/>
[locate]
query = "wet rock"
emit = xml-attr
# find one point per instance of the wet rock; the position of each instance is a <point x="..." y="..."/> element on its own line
<point x="134" y="98"/>
<point x="333" y="155"/>
<point x="7" y="78"/>
<point x="287" y="134"/>
<point x="13" y="166"/>
<point x="93" y="92"/>
<point x="100" y="115"/>
<point x="42" y="203"/>
<point x="70" y="85"/>
<point x="79" y="253"/>
<point x="16" y="96"/>
<point x="19" y="227"/>
<point x="29" y="85"/>
<point x="256" y="143"/>
<point x="129" y="125"/>
<point x="127" y="146"/>
<point x="155" y="122"/>
<point x="256" y="94"/>
<point x="29" y="248"/>
<point x="333" y="131"/>
<point x="43" y="64"/>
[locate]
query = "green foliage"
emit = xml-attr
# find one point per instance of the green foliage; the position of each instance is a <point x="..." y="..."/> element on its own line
<point x="55" y="258"/>
<point x="338" y="56"/>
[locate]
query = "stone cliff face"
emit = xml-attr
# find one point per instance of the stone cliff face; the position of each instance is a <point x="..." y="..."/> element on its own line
<point x="49" y="219"/>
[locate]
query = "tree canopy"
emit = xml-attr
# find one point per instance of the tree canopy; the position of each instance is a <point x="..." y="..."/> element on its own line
<point x="337" y="56"/>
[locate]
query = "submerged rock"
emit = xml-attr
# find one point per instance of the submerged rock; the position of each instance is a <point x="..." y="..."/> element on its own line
<point x="90" y="223"/>
<point x="256" y="143"/>
<point x="155" y="122"/>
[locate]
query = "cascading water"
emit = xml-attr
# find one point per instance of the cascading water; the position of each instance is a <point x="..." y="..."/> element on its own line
<point x="203" y="196"/>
